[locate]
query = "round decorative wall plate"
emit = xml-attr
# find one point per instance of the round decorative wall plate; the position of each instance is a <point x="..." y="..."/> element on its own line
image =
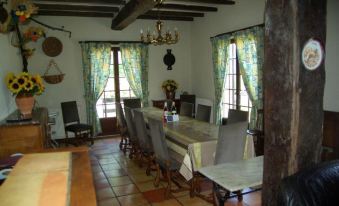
<point x="312" y="54"/>
<point x="52" y="46"/>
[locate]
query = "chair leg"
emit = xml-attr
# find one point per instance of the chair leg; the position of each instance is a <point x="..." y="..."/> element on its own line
<point x="239" y="194"/>
<point x="169" y="183"/>
<point x="150" y="162"/>
<point x="157" y="177"/>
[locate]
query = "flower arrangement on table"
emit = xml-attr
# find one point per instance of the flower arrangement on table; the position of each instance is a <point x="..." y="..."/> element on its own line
<point x="169" y="86"/>
<point x="24" y="84"/>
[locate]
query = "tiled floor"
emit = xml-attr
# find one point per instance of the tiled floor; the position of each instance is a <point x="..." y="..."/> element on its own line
<point x="120" y="181"/>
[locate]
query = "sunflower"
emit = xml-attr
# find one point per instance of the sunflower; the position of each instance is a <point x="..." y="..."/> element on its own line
<point x="22" y="80"/>
<point x="38" y="79"/>
<point x="29" y="85"/>
<point x="10" y="77"/>
<point x="15" y="87"/>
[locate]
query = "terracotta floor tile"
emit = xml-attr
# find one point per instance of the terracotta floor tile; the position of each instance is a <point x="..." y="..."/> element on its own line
<point x="133" y="200"/>
<point x="115" y="173"/>
<point x="105" y="156"/>
<point x="196" y="201"/>
<point x="109" y="202"/>
<point x="107" y="161"/>
<point x="101" y="183"/>
<point x="118" y="181"/>
<point x="141" y="177"/>
<point x="147" y="186"/>
<point x="234" y="202"/>
<point x="104" y="193"/>
<point x="99" y="175"/>
<point x="253" y="199"/>
<point x="170" y="202"/>
<point x="155" y="195"/>
<point x="112" y="166"/>
<point x="125" y="190"/>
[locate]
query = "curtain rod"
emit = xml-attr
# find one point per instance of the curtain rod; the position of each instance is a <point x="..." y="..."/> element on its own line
<point x="112" y="42"/>
<point x="230" y="32"/>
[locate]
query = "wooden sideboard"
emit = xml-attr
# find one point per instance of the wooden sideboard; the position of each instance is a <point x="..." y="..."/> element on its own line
<point x="24" y="136"/>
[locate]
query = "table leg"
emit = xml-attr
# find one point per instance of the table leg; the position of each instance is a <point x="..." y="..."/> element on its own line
<point x="219" y="198"/>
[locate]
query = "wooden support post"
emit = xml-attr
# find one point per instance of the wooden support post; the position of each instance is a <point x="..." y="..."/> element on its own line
<point x="293" y="94"/>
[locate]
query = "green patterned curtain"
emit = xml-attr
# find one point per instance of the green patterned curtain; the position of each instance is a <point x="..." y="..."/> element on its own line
<point x="96" y="70"/>
<point x="220" y="47"/>
<point x="135" y="64"/>
<point x="250" y="51"/>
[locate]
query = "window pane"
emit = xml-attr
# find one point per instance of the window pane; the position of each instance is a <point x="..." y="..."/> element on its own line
<point x="119" y="57"/>
<point x="110" y="85"/>
<point x="110" y="110"/>
<point x="124" y="85"/>
<point x="121" y="72"/>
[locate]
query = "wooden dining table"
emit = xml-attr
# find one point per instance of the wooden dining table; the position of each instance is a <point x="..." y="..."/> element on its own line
<point x="194" y="142"/>
<point x="54" y="177"/>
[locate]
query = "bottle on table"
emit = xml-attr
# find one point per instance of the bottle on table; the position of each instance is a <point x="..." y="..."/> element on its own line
<point x="165" y="113"/>
<point x="173" y="109"/>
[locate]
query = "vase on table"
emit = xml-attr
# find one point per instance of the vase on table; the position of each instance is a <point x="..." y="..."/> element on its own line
<point x="25" y="104"/>
<point x="170" y="95"/>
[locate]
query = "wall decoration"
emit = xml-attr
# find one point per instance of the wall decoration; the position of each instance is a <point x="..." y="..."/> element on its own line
<point x="52" y="46"/>
<point x="169" y="59"/>
<point x="53" y="78"/>
<point x="312" y="54"/>
<point x="21" y="13"/>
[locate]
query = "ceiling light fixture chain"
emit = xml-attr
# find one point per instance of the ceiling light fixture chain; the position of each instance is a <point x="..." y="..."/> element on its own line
<point x="157" y="38"/>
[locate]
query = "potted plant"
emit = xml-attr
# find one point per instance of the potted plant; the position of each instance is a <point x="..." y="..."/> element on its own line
<point x="169" y="87"/>
<point x="24" y="87"/>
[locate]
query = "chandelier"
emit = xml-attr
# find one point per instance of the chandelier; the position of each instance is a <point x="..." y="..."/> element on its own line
<point x="157" y="38"/>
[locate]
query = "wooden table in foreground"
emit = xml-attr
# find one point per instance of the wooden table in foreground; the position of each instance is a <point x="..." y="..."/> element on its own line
<point x="235" y="176"/>
<point x="81" y="191"/>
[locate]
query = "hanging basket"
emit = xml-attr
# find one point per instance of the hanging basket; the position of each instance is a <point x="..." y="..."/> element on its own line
<point x="53" y="79"/>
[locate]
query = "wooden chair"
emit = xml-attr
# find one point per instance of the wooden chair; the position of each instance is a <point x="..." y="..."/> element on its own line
<point x="122" y="125"/>
<point x="132" y="103"/>
<point x="145" y="142"/>
<point x="236" y="116"/>
<point x="72" y="123"/>
<point x="190" y="98"/>
<point x="131" y="133"/>
<point x="186" y="109"/>
<point x="203" y="113"/>
<point x="163" y="160"/>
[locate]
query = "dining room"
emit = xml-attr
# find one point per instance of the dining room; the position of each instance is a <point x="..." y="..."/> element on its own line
<point x="175" y="102"/>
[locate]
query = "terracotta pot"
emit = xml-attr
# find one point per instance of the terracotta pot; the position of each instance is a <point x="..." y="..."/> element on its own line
<point x="170" y="94"/>
<point x="25" y="104"/>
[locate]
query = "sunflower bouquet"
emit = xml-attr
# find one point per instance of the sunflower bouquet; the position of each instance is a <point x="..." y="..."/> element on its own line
<point x="169" y="85"/>
<point x="24" y="84"/>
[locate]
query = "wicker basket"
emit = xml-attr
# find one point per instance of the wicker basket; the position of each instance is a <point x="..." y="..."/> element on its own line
<point x="53" y="79"/>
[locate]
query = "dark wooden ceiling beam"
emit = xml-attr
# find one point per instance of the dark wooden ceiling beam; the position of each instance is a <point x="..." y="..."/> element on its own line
<point x="113" y="2"/>
<point x="173" y="18"/>
<point x="130" y="12"/>
<point x="174" y="13"/>
<point x="74" y="13"/>
<point x="226" y="2"/>
<point x="188" y="7"/>
<point x="62" y="7"/>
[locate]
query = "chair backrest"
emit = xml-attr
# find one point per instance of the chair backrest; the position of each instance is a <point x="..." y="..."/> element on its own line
<point x="141" y="131"/>
<point x="130" y="124"/>
<point x="236" y="116"/>
<point x="190" y="98"/>
<point x="231" y="143"/>
<point x="120" y="115"/>
<point x="186" y="109"/>
<point x="203" y="113"/>
<point x="132" y="103"/>
<point x="70" y="112"/>
<point x="158" y="140"/>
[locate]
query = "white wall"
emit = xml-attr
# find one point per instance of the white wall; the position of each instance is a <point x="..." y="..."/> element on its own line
<point x="228" y="18"/>
<point x="69" y="61"/>
<point x="10" y="61"/>
<point x="331" y="99"/>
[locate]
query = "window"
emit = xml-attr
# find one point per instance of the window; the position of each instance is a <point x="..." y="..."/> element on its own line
<point x="234" y="94"/>
<point x="116" y="89"/>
